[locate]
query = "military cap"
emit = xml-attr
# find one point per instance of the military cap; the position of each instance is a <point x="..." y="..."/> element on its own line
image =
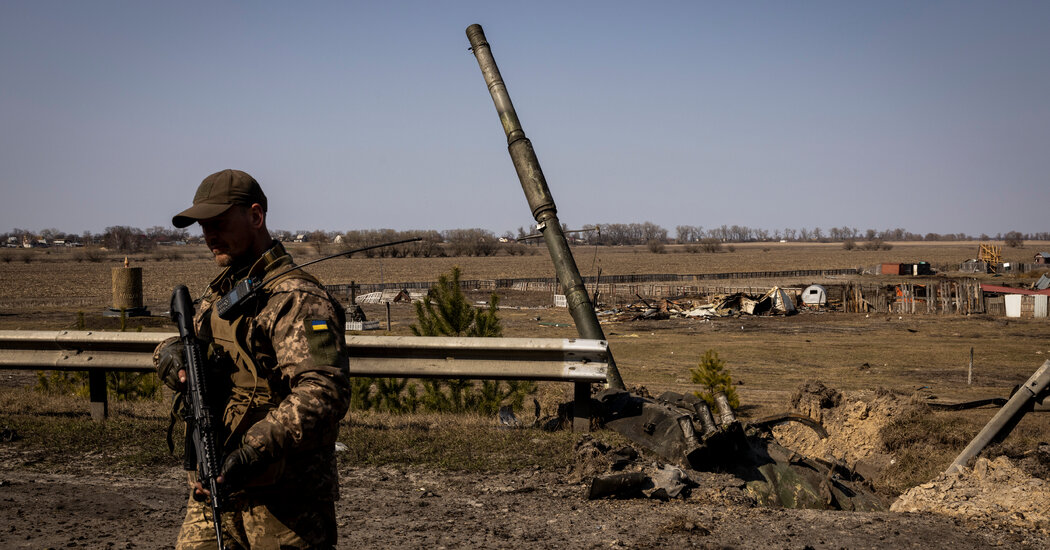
<point x="217" y="193"/>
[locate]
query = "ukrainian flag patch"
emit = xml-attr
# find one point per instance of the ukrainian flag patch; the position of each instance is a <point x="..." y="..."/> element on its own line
<point x="321" y="339"/>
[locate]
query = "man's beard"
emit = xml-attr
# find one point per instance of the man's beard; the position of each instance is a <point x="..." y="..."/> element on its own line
<point x="225" y="259"/>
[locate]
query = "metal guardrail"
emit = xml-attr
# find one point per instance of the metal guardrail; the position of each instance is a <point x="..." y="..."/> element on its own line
<point x="558" y="359"/>
<point x="576" y="360"/>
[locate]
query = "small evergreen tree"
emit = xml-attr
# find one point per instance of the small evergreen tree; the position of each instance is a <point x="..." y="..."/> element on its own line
<point x="361" y="397"/>
<point x="446" y="312"/>
<point x="396" y="396"/>
<point x="710" y="373"/>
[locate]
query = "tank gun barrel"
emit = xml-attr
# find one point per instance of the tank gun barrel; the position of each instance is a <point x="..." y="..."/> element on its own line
<point x="540" y="200"/>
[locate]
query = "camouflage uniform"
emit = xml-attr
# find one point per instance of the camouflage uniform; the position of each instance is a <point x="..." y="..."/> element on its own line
<point x="282" y="369"/>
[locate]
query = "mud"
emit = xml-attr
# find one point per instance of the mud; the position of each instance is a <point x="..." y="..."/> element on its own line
<point x="411" y="507"/>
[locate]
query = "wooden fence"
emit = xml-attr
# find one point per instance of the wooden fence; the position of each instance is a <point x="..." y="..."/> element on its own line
<point x="926" y="296"/>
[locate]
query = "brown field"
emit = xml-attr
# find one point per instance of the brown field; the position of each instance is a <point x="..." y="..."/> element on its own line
<point x="52" y="280"/>
<point x="921" y="355"/>
<point x="769" y="355"/>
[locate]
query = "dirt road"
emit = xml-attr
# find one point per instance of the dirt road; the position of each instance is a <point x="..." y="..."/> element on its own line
<point x="415" y="508"/>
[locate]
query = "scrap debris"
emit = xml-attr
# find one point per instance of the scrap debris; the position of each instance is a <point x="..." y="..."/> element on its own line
<point x="714" y="456"/>
<point x="631" y="478"/>
<point x="776" y="301"/>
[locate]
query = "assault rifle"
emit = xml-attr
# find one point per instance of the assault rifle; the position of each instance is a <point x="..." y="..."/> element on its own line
<point x="200" y="432"/>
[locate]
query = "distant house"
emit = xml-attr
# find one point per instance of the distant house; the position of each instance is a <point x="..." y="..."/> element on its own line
<point x="1016" y="302"/>
<point x="1042" y="257"/>
<point x="300" y="238"/>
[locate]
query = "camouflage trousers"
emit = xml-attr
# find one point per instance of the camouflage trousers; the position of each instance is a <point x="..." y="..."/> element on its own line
<point x="250" y="523"/>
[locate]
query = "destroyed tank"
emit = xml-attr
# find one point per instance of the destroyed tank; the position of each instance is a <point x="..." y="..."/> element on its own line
<point x="679" y="428"/>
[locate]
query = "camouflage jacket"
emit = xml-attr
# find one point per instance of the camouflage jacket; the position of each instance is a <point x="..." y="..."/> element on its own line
<point x="284" y="365"/>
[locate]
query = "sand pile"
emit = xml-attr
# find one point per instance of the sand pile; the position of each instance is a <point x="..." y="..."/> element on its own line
<point x="853" y="421"/>
<point x="993" y="491"/>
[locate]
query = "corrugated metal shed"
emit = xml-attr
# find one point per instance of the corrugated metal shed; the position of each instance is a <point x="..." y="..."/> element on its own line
<point x="890" y="269"/>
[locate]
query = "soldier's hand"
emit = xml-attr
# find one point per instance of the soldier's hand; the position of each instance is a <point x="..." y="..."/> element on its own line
<point x="169" y="358"/>
<point x="241" y="466"/>
<point x="200" y="494"/>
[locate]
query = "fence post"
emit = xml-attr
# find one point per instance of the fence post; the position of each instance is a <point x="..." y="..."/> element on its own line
<point x="969" y="371"/>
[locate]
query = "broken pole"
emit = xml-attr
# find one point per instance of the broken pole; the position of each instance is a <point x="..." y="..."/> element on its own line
<point x="1006" y="418"/>
<point x="527" y="165"/>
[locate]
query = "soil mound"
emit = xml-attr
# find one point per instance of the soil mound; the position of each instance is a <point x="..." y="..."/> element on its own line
<point x="997" y="492"/>
<point x="854" y="422"/>
<point x="994" y="491"/>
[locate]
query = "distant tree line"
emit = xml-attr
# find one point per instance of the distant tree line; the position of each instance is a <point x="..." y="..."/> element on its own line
<point x="482" y="242"/>
<point x="647" y="232"/>
<point x="121" y="238"/>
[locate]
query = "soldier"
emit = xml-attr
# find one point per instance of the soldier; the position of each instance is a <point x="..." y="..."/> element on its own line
<point x="279" y="369"/>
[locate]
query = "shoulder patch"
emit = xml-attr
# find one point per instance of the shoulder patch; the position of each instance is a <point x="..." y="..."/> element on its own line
<point x="321" y="338"/>
<point x="318" y="325"/>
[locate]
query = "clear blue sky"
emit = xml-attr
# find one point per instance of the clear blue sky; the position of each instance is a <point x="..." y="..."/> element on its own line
<point x="932" y="116"/>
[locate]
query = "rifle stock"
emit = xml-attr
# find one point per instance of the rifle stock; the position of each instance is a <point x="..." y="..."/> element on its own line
<point x="200" y="432"/>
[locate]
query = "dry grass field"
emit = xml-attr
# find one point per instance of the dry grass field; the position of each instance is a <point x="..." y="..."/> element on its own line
<point x="769" y="355"/>
<point x="925" y="356"/>
<point x="52" y="280"/>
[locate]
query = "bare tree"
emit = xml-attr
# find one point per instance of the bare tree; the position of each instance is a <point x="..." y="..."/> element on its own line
<point x="1013" y="239"/>
<point x="126" y="239"/>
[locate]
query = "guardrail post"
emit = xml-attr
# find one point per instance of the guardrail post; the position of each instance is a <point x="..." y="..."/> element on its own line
<point x="97" y="392"/>
<point x="581" y="407"/>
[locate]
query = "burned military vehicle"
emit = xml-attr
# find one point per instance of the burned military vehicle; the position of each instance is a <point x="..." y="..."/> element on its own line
<point x="679" y="428"/>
